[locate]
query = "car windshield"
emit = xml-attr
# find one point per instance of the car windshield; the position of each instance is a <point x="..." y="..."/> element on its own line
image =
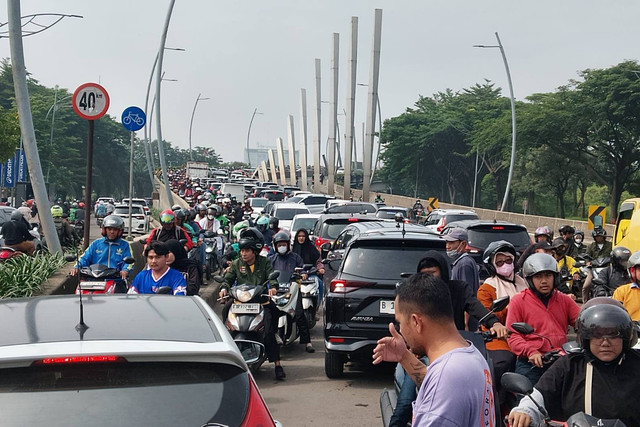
<point x="258" y="203"/>
<point x="481" y="237"/>
<point x="303" y="223"/>
<point x="288" y="214"/>
<point x="383" y="263"/>
<point x="352" y="208"/>
<point x="124" y="210"/>
<point x="388" y="213"/>
<point x="331" y="230"/>
<point x="459" y="217"/>
<point x="294" y="199"/>
<point x="138" y="394"/>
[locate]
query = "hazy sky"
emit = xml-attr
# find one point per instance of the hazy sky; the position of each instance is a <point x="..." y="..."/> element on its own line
<point x="247" y="54"/>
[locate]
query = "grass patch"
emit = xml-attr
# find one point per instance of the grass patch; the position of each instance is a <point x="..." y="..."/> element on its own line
<point x="22" y="276"/>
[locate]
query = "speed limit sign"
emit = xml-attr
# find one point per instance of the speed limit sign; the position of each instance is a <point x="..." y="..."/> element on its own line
<point x="90" y="101"/>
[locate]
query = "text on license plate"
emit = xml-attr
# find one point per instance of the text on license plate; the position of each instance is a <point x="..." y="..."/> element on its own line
<point x="387" y="307"/>
<point x="245" y="308"/>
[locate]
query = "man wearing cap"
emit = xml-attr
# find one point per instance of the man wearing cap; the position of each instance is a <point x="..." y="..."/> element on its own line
<point x="463" y="266"/>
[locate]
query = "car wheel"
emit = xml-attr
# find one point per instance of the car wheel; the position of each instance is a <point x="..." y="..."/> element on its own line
<point x="333" y="364"/>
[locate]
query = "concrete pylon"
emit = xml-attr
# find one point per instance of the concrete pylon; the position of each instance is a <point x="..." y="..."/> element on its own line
<point x="272" y="166"/>
<point x="303" y="140"/>
<point x="317" y="137"/>
<point x="292" y="152"/>
<point x="333" y="114"/>
<point x="281" y="164"/>
<point x="351" y="107"/>
<point x="372" y="101"/>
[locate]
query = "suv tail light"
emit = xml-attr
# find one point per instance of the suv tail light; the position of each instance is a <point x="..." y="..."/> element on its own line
<point x="257" y="411"/>
<point x="79" y="359"/>
<point x="320" y="241"/>
<point x="473" y="250"/>
<point x="345" y="286"/>
<point x="443" y="222"/>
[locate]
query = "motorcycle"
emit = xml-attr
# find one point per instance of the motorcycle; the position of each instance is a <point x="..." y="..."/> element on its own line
<point x="388" y="398"/>
<point x="210" y="244"/>
<point x="286" y="299"/>
<point x="100" y="279"/>
<point x="245" y="320"/>
<point x="309" y="291"/>
<point x="519" y="384"/>
<point x="78" y="225"/>
<point x="550" y="356"/>
<point x="99" y="219"/>
<point x="7" y="252"/>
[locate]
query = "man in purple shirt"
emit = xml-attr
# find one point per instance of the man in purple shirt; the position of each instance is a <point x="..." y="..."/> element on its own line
<point x="456" y="389"/>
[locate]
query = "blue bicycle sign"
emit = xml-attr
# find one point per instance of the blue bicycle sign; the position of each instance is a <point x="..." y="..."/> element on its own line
<point x="133" y="119"/>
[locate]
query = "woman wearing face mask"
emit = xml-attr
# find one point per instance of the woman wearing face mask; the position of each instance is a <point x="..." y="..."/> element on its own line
<point x="499" y="260"/>
<point x="310" y="255"/>
<point x="578" y="247"/>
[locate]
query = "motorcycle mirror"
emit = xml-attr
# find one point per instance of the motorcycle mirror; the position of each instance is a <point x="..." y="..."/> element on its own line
<point x="70" y="258"/>
<point x="500" y="304"/>
<point x="218" y="279"/>
<point x="522" y="328"/>
<point x="251" y="351"/>
<point x="129" y="260"/>
<point x="183" y="241"/>
<point x="571" y="347"/>
<point x="516" y="383"/>
<point x="274" y="275"/>
<point x="209" y="234"/>
<point x="165" y="290"/>
<point x="579" y="264"/>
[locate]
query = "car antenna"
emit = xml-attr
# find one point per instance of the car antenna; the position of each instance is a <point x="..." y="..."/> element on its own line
<point x="399" y="220"/>
<point x="81" y="327"/>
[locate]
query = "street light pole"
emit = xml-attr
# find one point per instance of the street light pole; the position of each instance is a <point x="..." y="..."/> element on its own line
<point x="513" y="118"/>
<point x="255" y="111"/>
<point x="191" y="123"/>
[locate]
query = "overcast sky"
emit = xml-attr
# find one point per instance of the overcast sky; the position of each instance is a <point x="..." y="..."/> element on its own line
<point x="247" y="54"/>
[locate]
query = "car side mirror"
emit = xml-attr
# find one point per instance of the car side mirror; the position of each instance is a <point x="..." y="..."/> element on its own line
<point x="326" y="247"/>
<point x="251" y="351"/>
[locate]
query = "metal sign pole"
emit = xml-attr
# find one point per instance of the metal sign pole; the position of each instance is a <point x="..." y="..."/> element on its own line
<point x="87" y="193"/>
<point x="130" y="235"/>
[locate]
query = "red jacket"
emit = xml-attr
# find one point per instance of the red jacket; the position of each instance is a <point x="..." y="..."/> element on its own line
<point x="177" y="233"/>
<point x="550" y="321"/>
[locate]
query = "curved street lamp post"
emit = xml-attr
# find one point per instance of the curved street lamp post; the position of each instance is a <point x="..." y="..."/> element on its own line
<point x="193" y="113"/>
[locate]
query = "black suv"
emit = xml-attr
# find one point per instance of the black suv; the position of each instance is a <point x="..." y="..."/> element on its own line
<point x="360" y="301"/>
<point x="482" y="232"/>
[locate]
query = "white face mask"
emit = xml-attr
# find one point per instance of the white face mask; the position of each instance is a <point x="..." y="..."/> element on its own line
<point x="282" y="250"/>
<point x="210" y="217"/>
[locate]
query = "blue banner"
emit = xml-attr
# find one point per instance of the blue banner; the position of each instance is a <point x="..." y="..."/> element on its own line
<point x="9" y="172"/>
<point x="22" y="166"/>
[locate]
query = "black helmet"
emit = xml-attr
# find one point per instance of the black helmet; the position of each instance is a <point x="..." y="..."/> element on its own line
<point x="281" y="236"/>
<point x="604" y="316"/>
<point x="180" y="214"/>
<point x="620" y="257"/>
<point x="192" y="214"/>
<point x="558" y="242"/>
<point x="201" y="207"/>
<point x="492" y="250"/>
<point x="274" y="222"/>
<point x="176" y="208"/>
<point x="252" y="239"/>
<point x="599" y="232"/>
<point x="537" y="263"/>
<point x="578" y="233"/>
<point x="566" y="229"/>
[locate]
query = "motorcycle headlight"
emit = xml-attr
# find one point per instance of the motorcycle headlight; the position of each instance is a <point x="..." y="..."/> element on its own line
<point x="208" y="250"/>
<point x="244" y="295"/>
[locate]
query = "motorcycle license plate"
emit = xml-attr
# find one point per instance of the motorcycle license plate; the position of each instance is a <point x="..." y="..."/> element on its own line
<point x="387" y="307"/>
<point x="93" y="286"/>
<point x="245" y="308"/>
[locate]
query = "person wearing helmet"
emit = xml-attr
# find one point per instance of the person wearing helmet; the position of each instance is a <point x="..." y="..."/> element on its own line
<point x="499" y="260"/>
<point x="222" y="219"/>
<point x="544" y="308"/>
<point x="110" y="208"/>
<point x="253" y="269"/>
<point x="600" y="246"/>
<point x="101" y="209"/>
<point x="565" y="265"/>
<point x="577" y="247"/>
<point x="16" y="233"/>
<point x="606" y="334"/>
<point x="72" y="211"/>
<point x="262" y="224"/>
<point x="566" y="232"/>
<point x="615" y="275"/>
<point x="209" y="222"/>
<point x="542" y="234"/>
<point x="629" y="294"/>
<point x="272" y="231"/>
<point x="181" y="221"/>
<point x="169" y="230"/>
<point x="110" y="250"/>
<point x="176" y="208"/>
<point x="66" y="233"/>
<point x="201" y="209"/>
<point x="286" y="261"/>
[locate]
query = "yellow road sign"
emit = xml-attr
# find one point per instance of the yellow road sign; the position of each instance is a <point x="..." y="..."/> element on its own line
<point x="433" y="203"/>
<point x="596" y="216"/>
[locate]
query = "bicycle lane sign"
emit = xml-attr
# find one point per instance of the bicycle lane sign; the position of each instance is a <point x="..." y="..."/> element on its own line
<point x="133" y="118"/>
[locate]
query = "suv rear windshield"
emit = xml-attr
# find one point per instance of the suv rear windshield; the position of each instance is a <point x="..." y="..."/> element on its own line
<point x="304" y="223"/>
<point x="460" y="217"/>
<point x="383" y="262"/>
<point x="138" y="394"/>
<point x="389" y="214"/>
<point x="332" y="228"/>
<point x="258" y="203"/>
<point x="352" y="208"/>
<point x="480" y="237"/>
<point x="287" y="214"/>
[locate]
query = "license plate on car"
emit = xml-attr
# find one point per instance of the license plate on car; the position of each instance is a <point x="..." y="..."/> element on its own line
<point x="245" y="308"/>
<point x="387" y="307"/>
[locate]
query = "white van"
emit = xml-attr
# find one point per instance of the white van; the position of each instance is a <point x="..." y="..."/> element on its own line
<point x="236" y="190"/>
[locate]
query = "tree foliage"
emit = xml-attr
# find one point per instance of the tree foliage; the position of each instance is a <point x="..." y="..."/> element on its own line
<point x="583" y="135"/>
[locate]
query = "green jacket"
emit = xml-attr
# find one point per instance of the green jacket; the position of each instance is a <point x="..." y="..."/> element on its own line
<point x="594" y="252"/>
<point x="240" y="274"/>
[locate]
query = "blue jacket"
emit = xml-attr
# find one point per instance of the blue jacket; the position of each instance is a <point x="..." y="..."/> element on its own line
<point x="107" y="252"/>
<point x="286" y="264"/>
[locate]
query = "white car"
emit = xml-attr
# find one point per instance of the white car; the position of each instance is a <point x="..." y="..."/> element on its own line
<point x="437" y="220"/>
<point x="286" y="211"/>
<point x="139" y="219"/>
<point x="257" y="204"/>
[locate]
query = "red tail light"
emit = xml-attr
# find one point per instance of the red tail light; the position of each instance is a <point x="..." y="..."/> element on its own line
<point x="441" y="226"/>
<point x="473" y="250"/>
<point x="80" y="359"/>
<point x="257" y="411"/>
<point x="353" y="219"/>
<point x="320" y="241"/>
<point x="496" y="227"/>
<point x="345" y="286"/>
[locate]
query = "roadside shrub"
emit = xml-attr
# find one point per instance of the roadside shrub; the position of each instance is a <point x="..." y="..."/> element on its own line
<point x="23" y="276"/>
